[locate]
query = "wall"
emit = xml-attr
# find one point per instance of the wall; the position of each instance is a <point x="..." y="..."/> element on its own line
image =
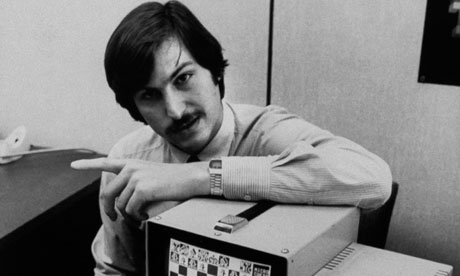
<point x="51" y="71"/>
<point x="352" y="67"/>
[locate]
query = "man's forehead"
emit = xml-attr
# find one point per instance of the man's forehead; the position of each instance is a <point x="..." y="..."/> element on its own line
<point x="171" y="54"/>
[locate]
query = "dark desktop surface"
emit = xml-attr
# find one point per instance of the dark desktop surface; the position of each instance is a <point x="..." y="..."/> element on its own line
<point x="48" y="215"/>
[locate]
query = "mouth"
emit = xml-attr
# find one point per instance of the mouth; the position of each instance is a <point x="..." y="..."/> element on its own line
<point x="184" y="124"/>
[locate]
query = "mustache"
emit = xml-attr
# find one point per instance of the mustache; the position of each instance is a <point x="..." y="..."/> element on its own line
<point x="182" y="123"/>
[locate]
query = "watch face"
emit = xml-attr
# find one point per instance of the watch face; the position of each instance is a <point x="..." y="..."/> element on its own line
<point x="215" y="164"/>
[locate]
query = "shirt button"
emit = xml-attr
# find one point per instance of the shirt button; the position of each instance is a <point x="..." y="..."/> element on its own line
<point x="247" y="197"/>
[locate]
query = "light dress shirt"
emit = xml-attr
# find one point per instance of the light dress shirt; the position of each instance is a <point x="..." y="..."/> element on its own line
<point x="266" y="153"/>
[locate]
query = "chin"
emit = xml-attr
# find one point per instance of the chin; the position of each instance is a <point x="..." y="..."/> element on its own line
<point x="191" y="146"/>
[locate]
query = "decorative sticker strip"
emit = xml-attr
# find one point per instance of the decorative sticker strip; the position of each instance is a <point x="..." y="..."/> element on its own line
<point x="189" y="260"/>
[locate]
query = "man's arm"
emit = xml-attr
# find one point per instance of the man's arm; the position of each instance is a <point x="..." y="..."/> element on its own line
<point x="293" y="161"/>
<point x="290" y="160"/>
<point x="302" y="174"/>
<point x="138" y="183"/>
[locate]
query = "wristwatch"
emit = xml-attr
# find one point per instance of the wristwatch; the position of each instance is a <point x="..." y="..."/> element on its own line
<point x="215" y="172"/>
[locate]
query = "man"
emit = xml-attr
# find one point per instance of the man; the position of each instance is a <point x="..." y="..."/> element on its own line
<point x="167" y="70"/>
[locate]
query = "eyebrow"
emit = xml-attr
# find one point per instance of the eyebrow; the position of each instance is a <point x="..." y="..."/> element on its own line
<point x="178" y="69"/>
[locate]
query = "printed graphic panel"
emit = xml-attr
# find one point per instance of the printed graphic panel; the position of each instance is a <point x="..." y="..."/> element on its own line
<point x="189" y="260"/>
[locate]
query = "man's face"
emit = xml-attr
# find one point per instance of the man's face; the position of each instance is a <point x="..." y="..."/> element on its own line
<point x="180" y="102"/>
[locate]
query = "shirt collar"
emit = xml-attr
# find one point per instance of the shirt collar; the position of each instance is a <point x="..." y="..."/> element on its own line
<point x="219" y="145"/>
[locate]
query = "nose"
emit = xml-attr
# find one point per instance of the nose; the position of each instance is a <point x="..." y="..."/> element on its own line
<point x="174" y="104"/>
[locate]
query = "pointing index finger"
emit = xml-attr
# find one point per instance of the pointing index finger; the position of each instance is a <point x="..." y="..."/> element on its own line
<point x="100" y="164"/>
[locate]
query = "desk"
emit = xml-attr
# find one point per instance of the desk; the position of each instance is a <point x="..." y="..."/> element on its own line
<point x="48" y="214"/>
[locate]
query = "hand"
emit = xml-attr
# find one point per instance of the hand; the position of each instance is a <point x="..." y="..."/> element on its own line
<point x="139" y="183"/>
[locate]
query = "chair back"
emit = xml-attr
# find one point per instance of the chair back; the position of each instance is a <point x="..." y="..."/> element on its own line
<point x="374" y="224"/>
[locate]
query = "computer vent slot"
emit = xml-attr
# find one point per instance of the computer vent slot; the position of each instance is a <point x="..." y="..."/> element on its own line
<point x="442" y="273"/>
<point x="341" y="257"/>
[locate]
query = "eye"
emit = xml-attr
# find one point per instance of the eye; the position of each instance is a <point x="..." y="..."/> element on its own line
<point x="183" y="78"/>
<point x="148" y="95"/>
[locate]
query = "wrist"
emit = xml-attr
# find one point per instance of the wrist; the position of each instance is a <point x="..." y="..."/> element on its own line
<point x="200" y="182"/>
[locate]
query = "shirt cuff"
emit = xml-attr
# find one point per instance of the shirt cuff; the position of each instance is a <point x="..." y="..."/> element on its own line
<point x="246" y="178"/>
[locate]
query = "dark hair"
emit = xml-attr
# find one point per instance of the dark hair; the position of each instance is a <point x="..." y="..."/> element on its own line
<point x="129" y="56"/>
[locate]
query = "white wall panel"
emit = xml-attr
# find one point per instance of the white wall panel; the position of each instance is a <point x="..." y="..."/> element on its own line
<point x="351" y="67"/>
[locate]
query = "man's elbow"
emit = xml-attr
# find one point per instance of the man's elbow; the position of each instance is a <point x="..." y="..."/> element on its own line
<point x="381" y="186"/>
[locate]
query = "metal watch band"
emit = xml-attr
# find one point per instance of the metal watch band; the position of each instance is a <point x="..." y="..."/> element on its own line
<point x="215" y="173"/>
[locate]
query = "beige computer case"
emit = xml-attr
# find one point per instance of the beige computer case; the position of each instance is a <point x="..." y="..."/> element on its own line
<point x="308" y="237"/>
